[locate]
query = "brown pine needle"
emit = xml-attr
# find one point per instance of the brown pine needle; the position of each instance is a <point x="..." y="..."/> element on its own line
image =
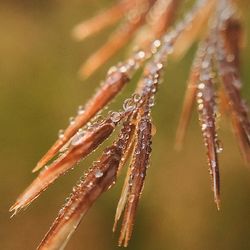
<point x="116" y="41"/>
<point x="162" y="16"/>
<point x="81" y="146"/>
<point x="159" y="20"/>
<point x="128" y="147"/>
<point x="122" y="200"/>
<point x="230" y="76"/>
<point x="101" y="21"/>
<point x="128" y="150"/>
<point x="189" y="100"/>
<point x="207" y="116"/>
<point x="233" y="39"/>
<point x="218" y="54"/>
<point x="99" y="178"/>
<point x="190" y="34"/>
<point x="136" y="178"/>
<point x="241" y="138"/>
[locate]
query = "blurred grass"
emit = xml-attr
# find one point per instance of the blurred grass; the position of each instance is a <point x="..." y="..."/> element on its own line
<point x="39" y="90"/>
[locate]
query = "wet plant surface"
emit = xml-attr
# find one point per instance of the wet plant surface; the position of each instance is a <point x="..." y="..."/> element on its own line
<point x="214" y="86"/>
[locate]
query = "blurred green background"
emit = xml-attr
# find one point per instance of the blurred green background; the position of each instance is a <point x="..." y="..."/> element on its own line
<point x="39" y="90"/>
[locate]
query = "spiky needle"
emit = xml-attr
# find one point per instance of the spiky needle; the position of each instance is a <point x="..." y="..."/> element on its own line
<point x="217" y="58"/>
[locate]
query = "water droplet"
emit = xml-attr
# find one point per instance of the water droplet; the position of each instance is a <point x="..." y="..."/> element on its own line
<point x="129" y="105"/>
<point x="112" y="70"/>
<point x="90" y="184"/>
<point x="60" y="134"/>
<point x="115" y="117"/>
<point x="98" y="173"/>
<point x="80" y="110"/>
<point x="153" y="90"/>
<point x="77" y="139"/>
<point x="213" y="164"/>
<point x="137" y="151"/>
<point x="200" y="106"/>
<point x="107" y="151"/>
<point x="219" y="146"/>
<point x="71" y="120"/>
<point x="201" y="86"/>
<point x="131" y="62"/>
<point x="151" y="101"/>
<point x="136" y="97"/>
<point x="199" y="94"/>
<point x="157" y="43"/>
<point x="203" y="126"/>
<point x="123" y="69"/>
<point x="140" y="55"/>
<point x="159" y="66"/>
<point x="149" y="82"/>
<point x="199" y="100"/>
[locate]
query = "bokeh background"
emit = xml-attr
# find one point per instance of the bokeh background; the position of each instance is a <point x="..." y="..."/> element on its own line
<point x="39" y="90"/>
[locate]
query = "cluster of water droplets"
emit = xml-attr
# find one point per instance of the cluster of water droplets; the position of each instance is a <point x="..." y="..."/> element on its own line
<point x="229" y="71"/>
<point x="83" y="186"/>
<point x="130" y="65"/>
<point x="124" y="136"/>
<point x="206" y="97"/>
<point x="141" y="155"/>
<point x="162" y="48"/>
<point x="169" y="39"/>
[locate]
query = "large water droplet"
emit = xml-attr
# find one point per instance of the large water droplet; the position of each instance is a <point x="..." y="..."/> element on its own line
<point x="77" y="139"/>
<point x="129" y="105"/>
